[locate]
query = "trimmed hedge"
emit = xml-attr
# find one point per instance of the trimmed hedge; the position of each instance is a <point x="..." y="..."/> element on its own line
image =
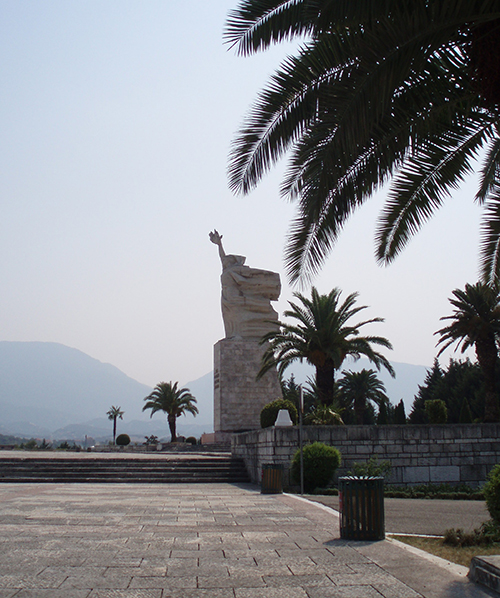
<point x="123" y="440"/>
<point x="320" y="463"/>
<point x="429" y="491"/>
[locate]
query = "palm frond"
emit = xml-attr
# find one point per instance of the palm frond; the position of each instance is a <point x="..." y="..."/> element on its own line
<point x="380" y="88"/>
<point x="427" y="178"/>
<point x="490" y="171"/>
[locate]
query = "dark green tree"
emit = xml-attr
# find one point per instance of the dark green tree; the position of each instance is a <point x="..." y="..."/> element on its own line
<point x="475" y="322"/>
<point x="383" y="415"/>
<point x="113" y="414"/>
<point x="465" y="413"/>
<point x="436" y="411"/>
<point x="321" y="332"/>
<point x="460" y="381"/>
<point x="399" y="413"/>
<point x="358" y="388"/>
<point x="291" y="391"/>
<point x="377" y="91"/>
<point x="425" y="392"/>
<point x="173" y="401"/>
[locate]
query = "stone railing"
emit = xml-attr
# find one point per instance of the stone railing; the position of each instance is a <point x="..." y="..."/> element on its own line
<point x="449" y="453"/>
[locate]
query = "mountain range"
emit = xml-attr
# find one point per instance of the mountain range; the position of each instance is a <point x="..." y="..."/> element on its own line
<point x="49" y="390"/>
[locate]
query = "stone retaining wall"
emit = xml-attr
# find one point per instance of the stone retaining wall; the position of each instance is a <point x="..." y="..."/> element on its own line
<point x="450" y="453"/>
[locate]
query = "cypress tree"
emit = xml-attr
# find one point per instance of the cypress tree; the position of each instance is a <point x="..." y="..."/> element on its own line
<point x="465" y="414"/>
<point x="399" y="413"/>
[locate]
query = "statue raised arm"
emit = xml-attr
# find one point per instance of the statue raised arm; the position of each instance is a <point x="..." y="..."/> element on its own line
<point x="216" y="239"/>
<point x="246" y="296"/>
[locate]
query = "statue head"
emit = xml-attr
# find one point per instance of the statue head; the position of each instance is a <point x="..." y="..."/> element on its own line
<point x="229" y="261"/>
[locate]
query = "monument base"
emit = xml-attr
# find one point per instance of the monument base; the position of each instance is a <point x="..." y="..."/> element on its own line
<point x="238" y="396"/>
<point x="222" y="437"/>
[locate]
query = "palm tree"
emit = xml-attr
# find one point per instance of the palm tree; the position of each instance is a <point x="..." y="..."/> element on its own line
<point x="476" y="323"/>
<point x="395" y="90"/>
<point x="173" y="401"/>
<point x="324" y="337"/>
<point x="323" y="415"/>
<point x="358" y="388"/>
<point x="113" y="414"/>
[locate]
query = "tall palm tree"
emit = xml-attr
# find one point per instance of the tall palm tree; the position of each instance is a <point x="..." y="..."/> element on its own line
<point x="357" y="388"/>
<point x="113" y="414"/>
<point x="173" y="401"/>
<point x="407" y="90"/>
<point x="322" y="335"/>
<point x="476" y="323"/>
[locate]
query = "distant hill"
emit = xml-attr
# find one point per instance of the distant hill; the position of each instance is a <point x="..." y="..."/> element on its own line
<point x="48" y="390"/>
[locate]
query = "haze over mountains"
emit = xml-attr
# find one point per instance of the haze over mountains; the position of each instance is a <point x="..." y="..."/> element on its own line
<point x="52" y="391"/>
<point x="48" y="390"/>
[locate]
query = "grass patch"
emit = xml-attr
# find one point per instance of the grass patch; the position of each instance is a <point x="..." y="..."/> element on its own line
<point x="461" y="555"/>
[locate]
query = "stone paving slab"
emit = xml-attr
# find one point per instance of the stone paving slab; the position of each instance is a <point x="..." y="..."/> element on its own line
<point x="197" y="541"/>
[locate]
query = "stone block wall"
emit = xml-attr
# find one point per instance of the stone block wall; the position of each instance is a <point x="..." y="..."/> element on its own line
<point x="449" y="453"/>
<point x="238" y="396"/>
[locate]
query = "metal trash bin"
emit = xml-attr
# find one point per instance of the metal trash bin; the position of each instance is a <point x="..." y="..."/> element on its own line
<point x="361" y="506"/>
<point x="272" y="479"/>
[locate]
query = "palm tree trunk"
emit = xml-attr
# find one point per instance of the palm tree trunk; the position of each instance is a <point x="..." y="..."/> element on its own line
<point x="487" y="356"/>
<point x="325" y="382"/>
<point x="172" y="425"/>
<point x="114" y="430"/>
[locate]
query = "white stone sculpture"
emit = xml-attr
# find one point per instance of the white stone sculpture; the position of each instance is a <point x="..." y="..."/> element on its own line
<point x="246" y="296"/>
<point x="283" y="420"/>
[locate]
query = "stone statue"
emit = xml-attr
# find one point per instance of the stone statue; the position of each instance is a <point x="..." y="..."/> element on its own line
<point x="246" y="296"/>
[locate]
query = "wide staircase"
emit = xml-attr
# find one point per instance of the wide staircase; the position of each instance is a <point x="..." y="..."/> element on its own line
<point x="94" y="469"/>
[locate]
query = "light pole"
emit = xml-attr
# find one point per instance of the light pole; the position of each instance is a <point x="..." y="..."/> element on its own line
<point x="301" y="412"/>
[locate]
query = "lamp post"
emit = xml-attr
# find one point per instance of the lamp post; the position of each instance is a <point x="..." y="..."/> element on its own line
<point x="301" y="412"/>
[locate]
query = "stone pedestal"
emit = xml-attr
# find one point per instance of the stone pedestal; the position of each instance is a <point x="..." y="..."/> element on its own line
<point x="238" y="396"/>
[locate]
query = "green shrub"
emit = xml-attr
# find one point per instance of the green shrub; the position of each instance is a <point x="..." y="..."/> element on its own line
<point x="30" y="445"/>
<point x="436" y="411"/>
<point x="458" y="537"/>
<point x="323" y="416"/>
<point x="320" y="463"/>
<point x="492" y="493"/>
<point x="269" y="414"/>
<point x="491" y="531"/>
<point x="123" y="440"/>
<point x="372" y="467"/>
<point x="488" y="533"/>
<point x="191" y="440"/>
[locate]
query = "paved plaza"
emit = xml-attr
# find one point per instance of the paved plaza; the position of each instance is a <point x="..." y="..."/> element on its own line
<point x="198" y="541"/>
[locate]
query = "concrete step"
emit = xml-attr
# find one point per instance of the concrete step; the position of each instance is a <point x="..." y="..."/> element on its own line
<point x="123" y="470"/>
<point x="485" y="570"/>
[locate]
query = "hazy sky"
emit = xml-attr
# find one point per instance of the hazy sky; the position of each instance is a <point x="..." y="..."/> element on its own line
<point x="116" y="121"/>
